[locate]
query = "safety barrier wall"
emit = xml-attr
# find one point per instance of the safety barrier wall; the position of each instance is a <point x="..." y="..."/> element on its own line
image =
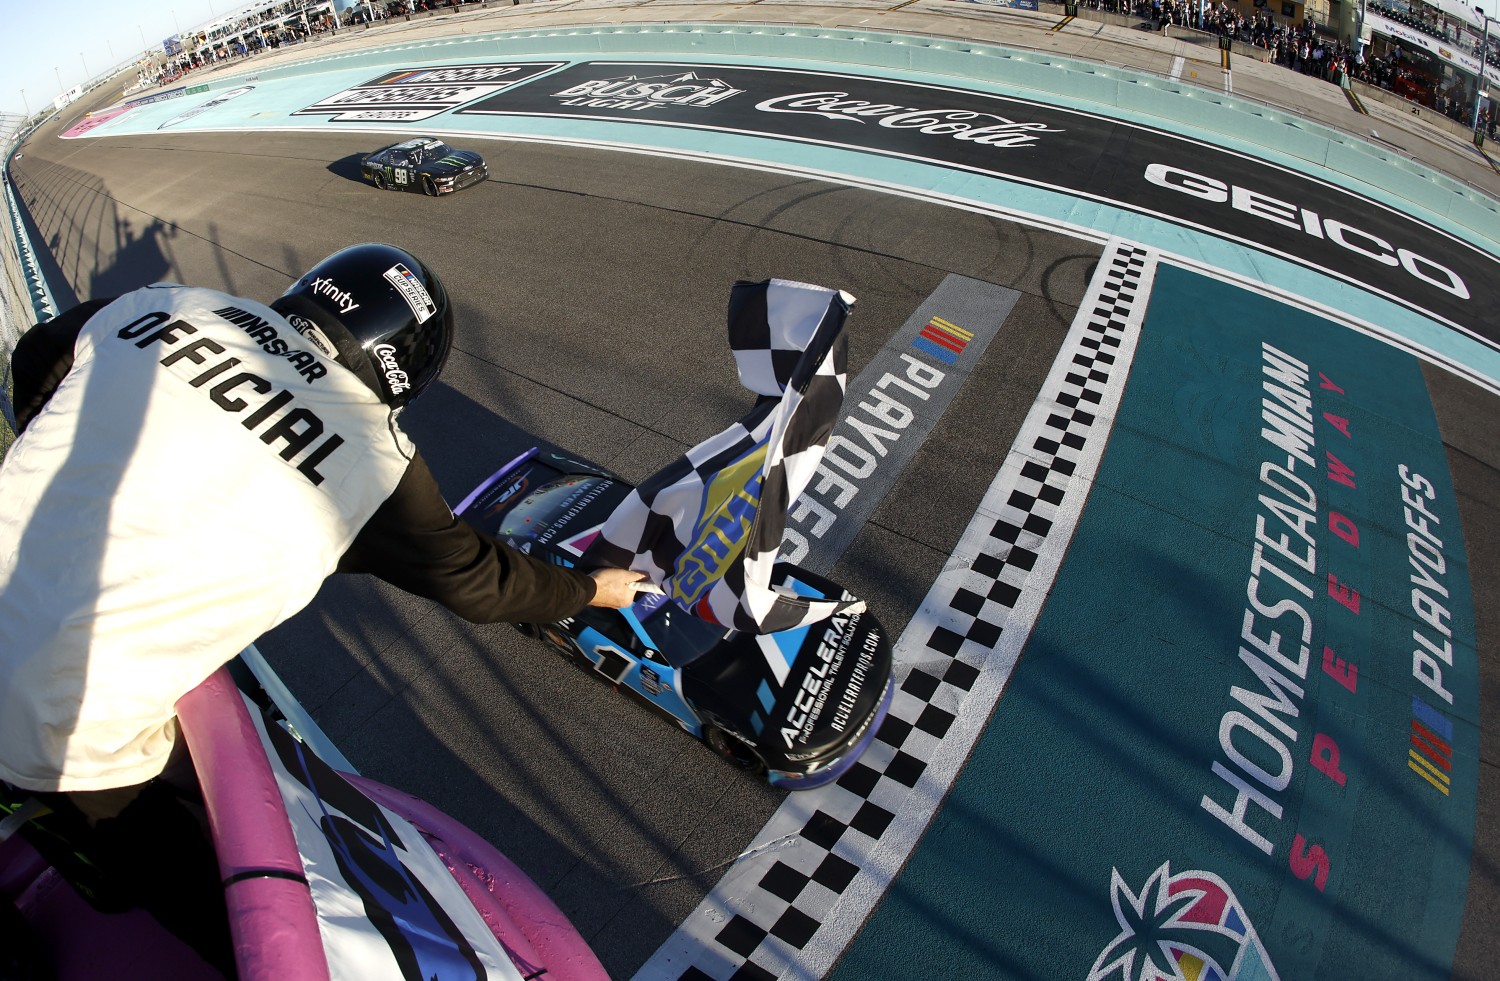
<point x="1235" y="121"/>
<point x="24" y="296"/>
<point x="27" y="288"/>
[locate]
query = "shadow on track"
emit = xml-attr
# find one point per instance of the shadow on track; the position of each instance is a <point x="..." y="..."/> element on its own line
<point x="348" y="168"/>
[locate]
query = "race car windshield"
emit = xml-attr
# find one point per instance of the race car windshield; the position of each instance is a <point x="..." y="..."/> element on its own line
<point x="433" y="151"/>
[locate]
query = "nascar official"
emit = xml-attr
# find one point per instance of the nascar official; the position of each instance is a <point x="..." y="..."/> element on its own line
<point x="190" y="467"/>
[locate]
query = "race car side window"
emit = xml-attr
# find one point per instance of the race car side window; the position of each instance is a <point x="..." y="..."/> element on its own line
<point x="610" y="624"/>
<point x="683" y="637"/>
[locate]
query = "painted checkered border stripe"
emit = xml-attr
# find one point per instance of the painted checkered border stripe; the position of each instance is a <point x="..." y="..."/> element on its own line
<point x="798" y="896"/>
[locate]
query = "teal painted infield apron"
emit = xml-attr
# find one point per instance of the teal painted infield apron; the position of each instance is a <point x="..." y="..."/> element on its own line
<point x="1242" y="741"/>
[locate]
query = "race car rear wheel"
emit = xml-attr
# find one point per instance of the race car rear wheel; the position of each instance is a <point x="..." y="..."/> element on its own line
<point x="738" y="754"/>
<point x="379" y="181"/>
<point x="428" y="187"/>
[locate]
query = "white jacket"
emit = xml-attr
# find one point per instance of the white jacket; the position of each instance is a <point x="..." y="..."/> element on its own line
<point x="191" y="482"/>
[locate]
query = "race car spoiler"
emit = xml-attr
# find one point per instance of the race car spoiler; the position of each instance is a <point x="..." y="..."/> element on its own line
<point x="525" y="473"/>
<point x="510" y="468"/>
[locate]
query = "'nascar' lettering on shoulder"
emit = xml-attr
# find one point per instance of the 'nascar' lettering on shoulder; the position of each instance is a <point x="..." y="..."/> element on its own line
<point x="307" y="364"/>
<point x="478" y="73"/>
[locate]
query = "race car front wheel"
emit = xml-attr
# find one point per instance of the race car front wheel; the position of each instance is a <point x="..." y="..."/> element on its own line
<point x="428" y="187"/>
<point x="736" y="752"/>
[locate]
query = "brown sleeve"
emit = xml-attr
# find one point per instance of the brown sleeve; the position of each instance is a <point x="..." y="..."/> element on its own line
<point x="415" y="542"/>
<point x="43" y="357"/>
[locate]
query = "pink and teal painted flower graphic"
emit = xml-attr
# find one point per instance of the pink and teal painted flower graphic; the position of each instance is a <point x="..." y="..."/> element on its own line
<point x="1184" y="927"/>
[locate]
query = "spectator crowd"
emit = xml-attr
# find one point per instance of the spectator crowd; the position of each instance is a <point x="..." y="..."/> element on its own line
<point x="1303" y="48"/>
<point x="273" y="27"/>
<point x="1310" y="50"/>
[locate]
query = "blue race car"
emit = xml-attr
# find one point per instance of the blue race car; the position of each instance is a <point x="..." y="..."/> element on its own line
<point x="797" y="707"/>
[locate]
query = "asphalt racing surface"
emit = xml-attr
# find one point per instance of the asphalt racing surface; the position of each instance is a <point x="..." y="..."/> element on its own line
<point x="1145" y="746"/>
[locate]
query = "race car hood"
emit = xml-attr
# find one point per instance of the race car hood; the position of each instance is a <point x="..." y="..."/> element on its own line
<point x="813" y="688"/>
<point x="453" y="163"/>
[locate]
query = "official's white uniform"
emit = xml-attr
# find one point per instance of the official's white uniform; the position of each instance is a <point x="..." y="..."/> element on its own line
<point x="225" y="467"/>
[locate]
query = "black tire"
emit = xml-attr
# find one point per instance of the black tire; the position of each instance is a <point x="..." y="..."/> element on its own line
<point x="428" y="187"/>
<point x="735" y="752"/>
<point x="528" y="630"/>
<point x="379" y="181"/>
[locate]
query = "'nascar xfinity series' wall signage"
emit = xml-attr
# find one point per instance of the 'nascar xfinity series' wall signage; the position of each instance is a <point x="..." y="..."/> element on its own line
<point x="412" y="94"/>
<point x="1147" y="171"/>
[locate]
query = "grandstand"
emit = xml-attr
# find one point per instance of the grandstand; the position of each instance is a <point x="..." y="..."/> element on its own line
<point x="1440" y="45"/>
<point x="259" y="27"/>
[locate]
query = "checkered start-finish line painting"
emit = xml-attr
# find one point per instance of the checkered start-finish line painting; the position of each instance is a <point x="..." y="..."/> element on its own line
<point x="800" y="893"/>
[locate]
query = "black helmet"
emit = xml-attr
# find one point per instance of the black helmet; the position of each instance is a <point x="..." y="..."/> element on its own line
<point x="386" y="314"/>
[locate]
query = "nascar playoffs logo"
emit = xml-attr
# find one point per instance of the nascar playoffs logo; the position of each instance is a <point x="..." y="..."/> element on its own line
<point x="1184" y="927"/>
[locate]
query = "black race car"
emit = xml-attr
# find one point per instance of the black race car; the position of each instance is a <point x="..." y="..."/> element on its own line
<point x="796" y="707"/>
<point x="423" y="164"/>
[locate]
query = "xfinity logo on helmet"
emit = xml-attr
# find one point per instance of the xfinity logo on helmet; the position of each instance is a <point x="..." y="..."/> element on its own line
<point x="395" y="379"/>
<point x="323" y="286"/>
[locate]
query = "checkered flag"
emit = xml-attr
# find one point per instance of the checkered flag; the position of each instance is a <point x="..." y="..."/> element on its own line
<point x="707" y="528"/>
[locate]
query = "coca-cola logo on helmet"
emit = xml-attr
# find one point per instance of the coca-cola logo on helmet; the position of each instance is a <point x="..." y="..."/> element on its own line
<point x="396" y="378"/>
